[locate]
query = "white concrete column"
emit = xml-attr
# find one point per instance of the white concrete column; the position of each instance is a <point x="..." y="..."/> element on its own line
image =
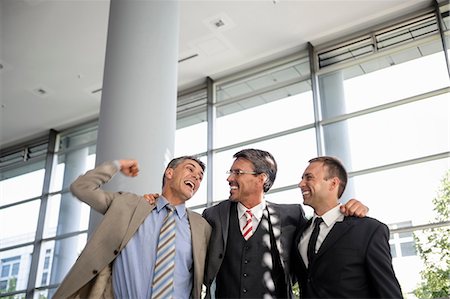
<point x="138" y="106"/>
<point x="336" y="139"/>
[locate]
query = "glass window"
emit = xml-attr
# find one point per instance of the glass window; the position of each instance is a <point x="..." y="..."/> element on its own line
<point x="291" y="196"/>
<point x="3" y="285"/>
<point x="5" y="270"/>
<point x="21" y="187"/>
<point x="191" y="140"/>
<point x="46" y="262"/>
<point x="66" y="251"/>
<point x="250" y="121"/>
<point x="393" y="252"/>
<point x="19" y="229"/>
<point x="408" y="248"/>
<point x="44" y="278"/>
<point x="191" y="133"/>
<point x="395" y="77"/>
<point x="405" y="132"/>
<point x="15" y="269"/>
<point x="21" y="259"/>
<point x="78" y="211"/>
<point x="268" y="102"/>
<point x="409" y="189"/>
<point x="290" y="152"/>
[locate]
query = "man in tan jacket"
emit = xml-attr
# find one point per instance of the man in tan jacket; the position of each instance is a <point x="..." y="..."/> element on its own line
<point x="119" y="259"/>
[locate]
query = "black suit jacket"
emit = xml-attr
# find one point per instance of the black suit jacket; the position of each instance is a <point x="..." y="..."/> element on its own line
<point x="354" y="261"/>
<point x="291" y="217"/>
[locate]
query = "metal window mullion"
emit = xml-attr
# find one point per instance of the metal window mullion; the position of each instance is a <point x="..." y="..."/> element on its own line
<point x="441" y="33"/>
<point x="211" y="124"/>
<point x="49" y="165"/>
<point x="313" y="63"/>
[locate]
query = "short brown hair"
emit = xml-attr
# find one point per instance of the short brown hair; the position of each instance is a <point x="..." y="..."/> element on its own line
<point x="335" y="168"/>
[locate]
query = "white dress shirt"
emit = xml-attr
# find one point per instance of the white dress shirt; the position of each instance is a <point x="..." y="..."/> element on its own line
<point x="257" y="212"/>
<point x="329" y="219"/>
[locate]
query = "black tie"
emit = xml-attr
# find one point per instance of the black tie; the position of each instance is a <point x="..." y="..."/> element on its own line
<point x="313" y="240"/>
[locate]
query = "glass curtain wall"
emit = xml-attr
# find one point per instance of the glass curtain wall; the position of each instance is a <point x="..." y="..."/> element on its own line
<point x="379" y="101"/>
<point x="393" y="91"/>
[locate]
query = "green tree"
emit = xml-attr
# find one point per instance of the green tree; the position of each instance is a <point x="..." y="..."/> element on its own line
<point x="434" y="249"/>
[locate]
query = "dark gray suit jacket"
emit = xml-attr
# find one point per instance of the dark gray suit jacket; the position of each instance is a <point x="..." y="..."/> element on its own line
<point x="354" y="261"/>
<point x="291" y="219"/>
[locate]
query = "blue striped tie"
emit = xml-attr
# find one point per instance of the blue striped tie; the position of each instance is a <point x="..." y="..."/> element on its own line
<point x="162" y="286"/>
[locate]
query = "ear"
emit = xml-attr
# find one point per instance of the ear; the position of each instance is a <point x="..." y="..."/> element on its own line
<point x="334" y="183"/>
<point x="169" y="173"/>
<point x="264" y="178"/>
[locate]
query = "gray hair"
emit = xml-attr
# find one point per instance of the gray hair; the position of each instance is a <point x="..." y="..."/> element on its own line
<point x="263" y="162"/>
<point x="177" y="161"/>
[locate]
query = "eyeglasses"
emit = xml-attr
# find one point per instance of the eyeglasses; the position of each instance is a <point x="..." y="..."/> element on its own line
<point x="238" y="172"/>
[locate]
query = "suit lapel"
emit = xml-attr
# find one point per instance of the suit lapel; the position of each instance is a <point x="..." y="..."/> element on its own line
<point x="196" y="241"/>
<point x="225" y="219"/>
<point x="276" y="225"/>
<point x="339" y="229"/>
<point x="143" y="208"/>
<point x="299" y="256"/>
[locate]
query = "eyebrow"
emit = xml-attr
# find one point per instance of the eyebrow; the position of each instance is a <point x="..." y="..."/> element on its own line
<point x="306" y="174"/>
<point x="193" y="165"/>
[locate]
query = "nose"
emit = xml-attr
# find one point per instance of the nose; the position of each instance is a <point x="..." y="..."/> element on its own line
<point x="230" y="177"/>
<point x="301" y="183"/>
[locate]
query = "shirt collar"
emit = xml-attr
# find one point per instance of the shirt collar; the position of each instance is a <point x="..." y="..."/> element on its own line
<point x="331" y="216"/>
<point x="257" y="210"/>
<point x="162" y="202"/>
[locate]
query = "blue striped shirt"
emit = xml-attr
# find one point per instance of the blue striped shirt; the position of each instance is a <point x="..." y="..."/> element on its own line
<point x="134" y="266"/>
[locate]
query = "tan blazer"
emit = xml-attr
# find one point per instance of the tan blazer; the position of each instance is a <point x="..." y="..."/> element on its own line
<point x="90" y="277"/>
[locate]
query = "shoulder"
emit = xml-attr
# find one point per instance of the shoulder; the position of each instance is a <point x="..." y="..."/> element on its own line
<point x="198" y="221"/>
<point x="289" y="209"/>
<point x="288" y="213"/>
<point x="196" y="217"/>
<point x="217" y="208"/>
<point x="367" y="223"/>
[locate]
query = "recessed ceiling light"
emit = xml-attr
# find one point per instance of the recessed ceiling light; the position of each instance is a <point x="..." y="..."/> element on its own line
<point x="41" y="91"/>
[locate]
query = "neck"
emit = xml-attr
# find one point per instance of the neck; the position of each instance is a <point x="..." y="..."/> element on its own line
<point x="173" y="200"/>
<point x="325" y="207"/>
<point x="251" y="202"/>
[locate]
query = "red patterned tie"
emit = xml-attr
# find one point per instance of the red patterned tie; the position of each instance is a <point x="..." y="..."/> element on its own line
<point x="247" y="231"/>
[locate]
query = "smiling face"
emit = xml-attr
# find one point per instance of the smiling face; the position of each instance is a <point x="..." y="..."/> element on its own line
<point x="182" y="182"/>
<point x="318" y="190"/>
<point x="246" y="188"/>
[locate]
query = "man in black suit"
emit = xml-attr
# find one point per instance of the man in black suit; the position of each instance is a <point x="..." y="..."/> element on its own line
<point x="350" y="257"/>
<point x="250" y="257"/>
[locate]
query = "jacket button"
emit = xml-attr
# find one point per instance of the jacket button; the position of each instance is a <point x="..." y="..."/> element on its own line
<point x="220" y="255"/>
<point x="94" y="272"/>
<point x="116" y="252"/>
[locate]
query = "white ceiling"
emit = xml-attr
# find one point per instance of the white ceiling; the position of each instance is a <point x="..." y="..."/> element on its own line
<point x="59" y="46"/>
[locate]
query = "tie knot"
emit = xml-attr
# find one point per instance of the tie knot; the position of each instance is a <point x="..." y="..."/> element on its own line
<point x="318" y="221"/>
<point x="248" y="214"/>
<point x="170" y="208"/>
